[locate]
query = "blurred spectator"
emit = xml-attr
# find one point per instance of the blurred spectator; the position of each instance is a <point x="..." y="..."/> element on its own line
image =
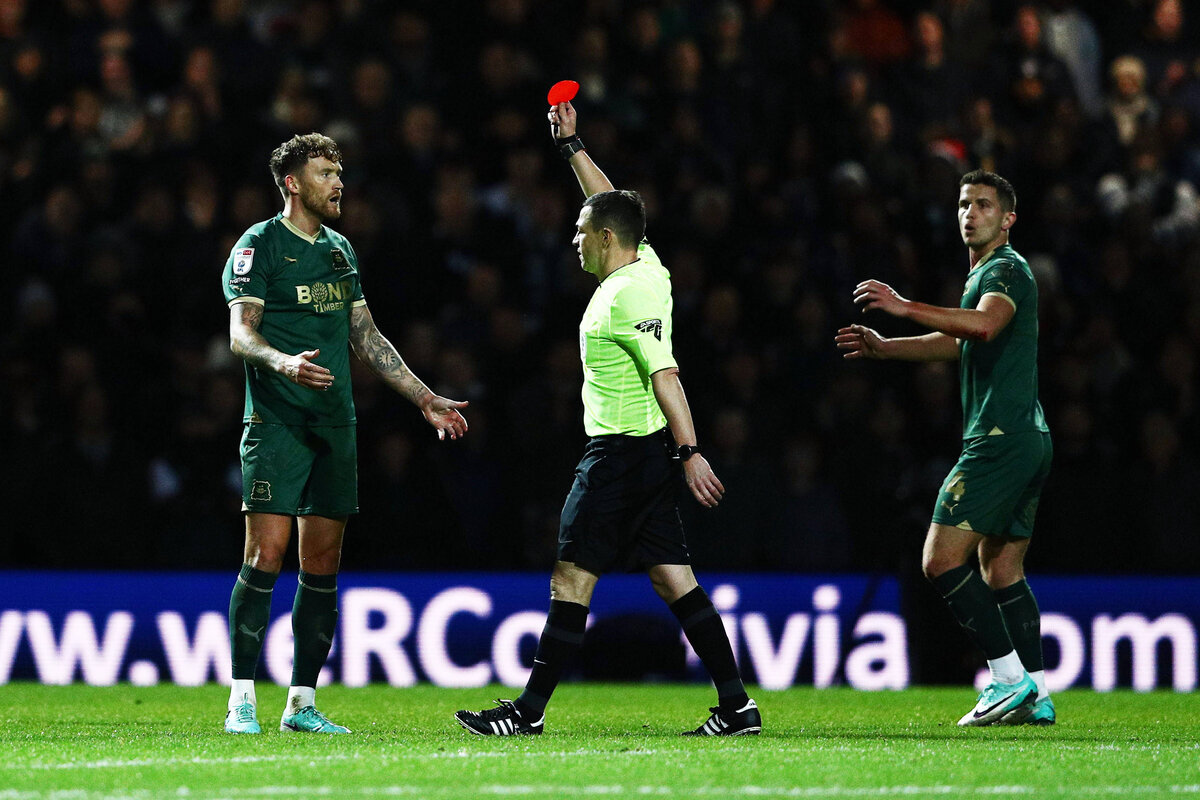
<point x="930" y="85"/>
<point x="970" y="29"/>
<point x="876" y="33"/>
<point x="1071" y="35"/>
<point x="1130" y="109"/>
<point x="1031" y="80"/>
<point x="1166" y="49"/>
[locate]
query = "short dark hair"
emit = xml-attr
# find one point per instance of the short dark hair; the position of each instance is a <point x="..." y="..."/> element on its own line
<point x="621" y="210"/>
<point x="1004" y="190"/>
<point x="291" y="156"/>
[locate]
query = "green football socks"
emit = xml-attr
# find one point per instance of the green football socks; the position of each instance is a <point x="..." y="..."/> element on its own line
<point x="249" y="613"/>
<point x="1024" y="621"/>
<point x="314" y="620"/>
<point x="974" y="606"/>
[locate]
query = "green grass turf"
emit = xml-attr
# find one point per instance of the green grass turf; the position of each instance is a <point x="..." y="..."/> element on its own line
<point x="86" y="743"/>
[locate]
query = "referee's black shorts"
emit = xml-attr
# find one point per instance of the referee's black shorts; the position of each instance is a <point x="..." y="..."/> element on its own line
<point x="622" y="513"/>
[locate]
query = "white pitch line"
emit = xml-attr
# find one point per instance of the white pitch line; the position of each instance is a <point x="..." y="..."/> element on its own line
<point x="467" y="753"/>
<point x="201" y="761"/>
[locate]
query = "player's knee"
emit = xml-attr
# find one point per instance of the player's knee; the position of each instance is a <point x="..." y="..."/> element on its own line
<point x="934" y="564"/>
<point x="267" y="559"/>
<point x="567" y="588"/>
<point x="1000" y="576"/>
<point x="662" y="587"/>
<point x="323" y="563"/>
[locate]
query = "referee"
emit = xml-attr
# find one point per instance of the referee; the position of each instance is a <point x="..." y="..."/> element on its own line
<point x="622" y="512"/>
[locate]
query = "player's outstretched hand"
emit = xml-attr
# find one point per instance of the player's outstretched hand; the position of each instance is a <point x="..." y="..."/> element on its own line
<point x="442" y="413"/>
<point x="300" y="370"/>
<point x="705" y="485"/>
<point x="562" y="120"/>
<point x="859" y="341"/>
<point x="874" y="294"/>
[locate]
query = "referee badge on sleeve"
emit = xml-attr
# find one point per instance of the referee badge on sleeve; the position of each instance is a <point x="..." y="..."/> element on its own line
<point x="651" y="326"/>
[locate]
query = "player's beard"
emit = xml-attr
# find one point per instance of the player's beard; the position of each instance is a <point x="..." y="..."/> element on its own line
<point x="318" y="204"/>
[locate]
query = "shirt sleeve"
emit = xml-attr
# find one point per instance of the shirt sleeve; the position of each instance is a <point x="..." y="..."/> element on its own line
<point x="1005" y="279"/>
<point x="641" y="325"/>
<point x="245" y="275"/>
<point x="357" y="298"/>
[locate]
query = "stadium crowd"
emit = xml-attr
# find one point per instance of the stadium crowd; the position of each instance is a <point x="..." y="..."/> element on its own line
<point x="786" y="150"/>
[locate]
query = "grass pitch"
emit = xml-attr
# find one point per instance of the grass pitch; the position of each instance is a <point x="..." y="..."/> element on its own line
<point x="85" y="743"/>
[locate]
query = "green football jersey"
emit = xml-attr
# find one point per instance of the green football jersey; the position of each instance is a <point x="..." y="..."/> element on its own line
<point x="624" y="338"/>
<point x="999" y="380"/>
<point x="307" y="286"/>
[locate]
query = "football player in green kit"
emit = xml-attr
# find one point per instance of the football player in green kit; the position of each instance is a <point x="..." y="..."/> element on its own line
<point x="622" y="512"/>
<point x="296" y="309"/>
<point x="988" y="501"/>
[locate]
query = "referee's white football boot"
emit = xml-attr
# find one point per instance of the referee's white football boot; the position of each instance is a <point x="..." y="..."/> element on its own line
<point x="1000" y="699"/>
<point x="746" y="721"/>
<point x="504" y="720"/>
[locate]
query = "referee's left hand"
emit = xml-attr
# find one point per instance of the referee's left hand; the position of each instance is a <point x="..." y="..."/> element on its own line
<point x="703" y="482"/>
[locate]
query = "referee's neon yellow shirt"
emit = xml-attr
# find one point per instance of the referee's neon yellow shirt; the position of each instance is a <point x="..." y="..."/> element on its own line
<point x="624" y="338"/>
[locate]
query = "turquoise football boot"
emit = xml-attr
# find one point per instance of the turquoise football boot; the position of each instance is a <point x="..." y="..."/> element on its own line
<point x="309" y="720"/>
<point x="1040" y="713"/>
<point x="999" y="699"/>
<point x="242" y="719"/>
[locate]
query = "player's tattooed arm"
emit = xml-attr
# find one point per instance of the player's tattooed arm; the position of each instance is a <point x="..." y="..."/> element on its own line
<point x="380" y="355"/>
<point x="244" y="339"/>
<point x="249" y="344"/>
<point x="374" y="350"/>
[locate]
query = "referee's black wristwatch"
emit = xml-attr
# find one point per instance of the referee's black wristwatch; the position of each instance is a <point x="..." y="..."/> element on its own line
<point x="685" y="451"/>
<point x="569" y="145"/>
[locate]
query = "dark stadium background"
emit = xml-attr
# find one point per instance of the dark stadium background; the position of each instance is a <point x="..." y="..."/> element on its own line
<point x="786" y="150"/>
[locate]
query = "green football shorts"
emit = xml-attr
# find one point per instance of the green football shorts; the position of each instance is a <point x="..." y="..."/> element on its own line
<point x="295" y="470"/>
<point x="995" y="486"/>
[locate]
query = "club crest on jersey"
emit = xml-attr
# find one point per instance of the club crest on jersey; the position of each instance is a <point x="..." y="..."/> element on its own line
<point x="243" y="260"/>
<point x="260" y="490"/>
<point x="651" y="326"/>
<point x="339" y="260"/>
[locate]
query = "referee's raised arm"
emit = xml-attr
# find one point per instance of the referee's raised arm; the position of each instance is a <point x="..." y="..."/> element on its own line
<point x="562" y="127"/>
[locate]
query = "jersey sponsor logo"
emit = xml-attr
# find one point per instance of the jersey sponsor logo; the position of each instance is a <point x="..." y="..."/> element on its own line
<point x="243" y="260"/>
<point x="261" y="491"/>
<point x="324" y="296"/>
<point x="239" y="280"/>
<point x="651" y="326"/>
<point x="339" y="260"/>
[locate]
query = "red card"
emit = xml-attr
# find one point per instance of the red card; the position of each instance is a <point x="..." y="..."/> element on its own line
<point x="562" y="92"/>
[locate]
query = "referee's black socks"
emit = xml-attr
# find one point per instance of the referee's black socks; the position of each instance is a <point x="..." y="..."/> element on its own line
<point x="703" y="627"/>
<point x="561" y="639"/>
